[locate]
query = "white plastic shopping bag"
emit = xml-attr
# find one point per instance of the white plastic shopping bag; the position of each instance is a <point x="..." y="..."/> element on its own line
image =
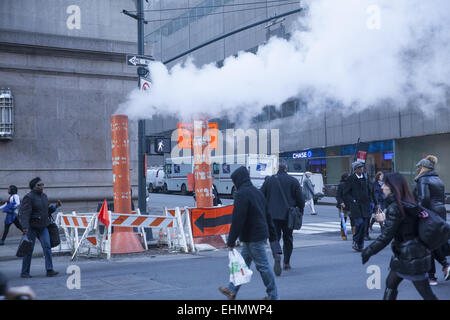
<point x="239" y="271"/>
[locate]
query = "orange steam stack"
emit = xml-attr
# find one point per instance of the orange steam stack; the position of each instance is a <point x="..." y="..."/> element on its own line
<point x="123" y="240"/>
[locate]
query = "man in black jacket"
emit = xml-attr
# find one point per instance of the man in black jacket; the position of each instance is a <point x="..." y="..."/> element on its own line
<point x="253" y="225"/>
<point x="359" y="194"/>
<point x="277" y="208"/>
<point x="34" y="216"/>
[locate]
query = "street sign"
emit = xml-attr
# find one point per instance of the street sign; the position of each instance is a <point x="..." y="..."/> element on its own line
<point x="144" y="84"/>
<point x="138" y="61"/>
<point x="211" y="221"/>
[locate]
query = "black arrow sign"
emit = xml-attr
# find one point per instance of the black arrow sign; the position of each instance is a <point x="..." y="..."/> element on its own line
<point x="203" y="223"/>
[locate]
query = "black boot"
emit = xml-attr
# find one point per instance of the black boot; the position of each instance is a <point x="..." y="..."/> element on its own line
<point x="390" y="294"/>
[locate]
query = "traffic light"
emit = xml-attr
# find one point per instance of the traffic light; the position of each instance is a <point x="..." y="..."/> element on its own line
<point x="162" y="145"/>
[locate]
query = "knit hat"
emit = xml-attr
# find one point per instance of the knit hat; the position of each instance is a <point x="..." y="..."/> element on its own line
<point x="34" y="182"/>
<point x="428" y="162"/>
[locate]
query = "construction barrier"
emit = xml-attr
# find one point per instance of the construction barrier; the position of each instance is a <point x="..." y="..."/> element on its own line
<point x="209" y="226"/>
<point x="92" y="242"/>
<point x="170" y="234"/>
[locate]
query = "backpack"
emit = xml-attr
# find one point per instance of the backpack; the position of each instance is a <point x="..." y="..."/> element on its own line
<point x="433" y="230"/>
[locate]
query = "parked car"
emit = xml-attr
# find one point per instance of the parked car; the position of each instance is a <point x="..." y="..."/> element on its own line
<point x="155" y="179"/>
<point x="317" y="181"/>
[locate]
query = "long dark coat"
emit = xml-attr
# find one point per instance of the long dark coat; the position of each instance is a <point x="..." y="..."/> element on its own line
<point x="359" y="194"/>
<point x="276" y="204"/>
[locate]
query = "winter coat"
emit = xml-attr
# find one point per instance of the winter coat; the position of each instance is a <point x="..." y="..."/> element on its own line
<point x="35" y="210"/>
<point x="359" y="194"/>
<point x="340" y="196"/>
<point x="411" y="257"/>
<point x="379" y="195"/>
<point x="250" y="220"/>
<point x="10" y="207"/>
<point x="308" y="189"/>
<point x="292" y="190"/>
<point x="430" y="193"/>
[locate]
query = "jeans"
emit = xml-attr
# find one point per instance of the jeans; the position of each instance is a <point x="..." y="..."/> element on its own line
<point x="422" y="286"/>
<point x="288" y="239"/>
<point x="44" y="238"/>
<point x="361" y="224"/>
<point x="256" y="251"/>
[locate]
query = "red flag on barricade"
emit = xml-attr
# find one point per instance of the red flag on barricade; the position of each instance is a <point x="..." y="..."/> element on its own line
<point x="103" y="215"/>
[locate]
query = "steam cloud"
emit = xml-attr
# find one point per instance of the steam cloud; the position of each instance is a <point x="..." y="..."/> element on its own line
<point x="356" y="53"/>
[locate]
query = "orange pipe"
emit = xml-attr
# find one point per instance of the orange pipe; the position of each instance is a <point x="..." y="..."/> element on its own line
<point x="202" y="165"/>
<point x="123" y="240"/>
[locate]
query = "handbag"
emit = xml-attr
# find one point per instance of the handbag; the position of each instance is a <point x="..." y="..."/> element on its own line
<point x="25" y="247"/>
<point x="239" y="271"/>
<point x="434" y="231"/>
<point x="294" y="216"/>
<point x="379" y="216"/>
<point x="53" y="232"/>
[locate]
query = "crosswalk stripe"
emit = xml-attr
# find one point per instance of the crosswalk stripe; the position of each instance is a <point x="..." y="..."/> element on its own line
<point x="326" y="227"/>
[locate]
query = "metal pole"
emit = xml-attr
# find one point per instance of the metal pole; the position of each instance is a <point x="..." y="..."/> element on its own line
<point x="141" y="123"/>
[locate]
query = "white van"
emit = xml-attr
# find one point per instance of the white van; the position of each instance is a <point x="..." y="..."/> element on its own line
<point x="155" y="179"/>
<point x="259" y="167"/>
<point x="317" y="181"/>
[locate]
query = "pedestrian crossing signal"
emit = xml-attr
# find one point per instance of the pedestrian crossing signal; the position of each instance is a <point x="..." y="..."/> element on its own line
<point x="162" y="145"/>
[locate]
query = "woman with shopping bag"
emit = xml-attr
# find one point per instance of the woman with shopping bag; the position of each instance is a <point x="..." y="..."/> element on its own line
<point x="253" y="225"/>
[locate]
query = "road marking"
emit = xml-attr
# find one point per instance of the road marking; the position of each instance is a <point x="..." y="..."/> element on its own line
<point x="326" y="227"/>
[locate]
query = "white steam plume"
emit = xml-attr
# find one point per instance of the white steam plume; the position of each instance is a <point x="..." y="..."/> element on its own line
<point x="356" y="53"/>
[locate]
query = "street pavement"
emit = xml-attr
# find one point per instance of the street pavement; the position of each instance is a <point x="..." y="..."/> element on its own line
<point x="324" y="267"/>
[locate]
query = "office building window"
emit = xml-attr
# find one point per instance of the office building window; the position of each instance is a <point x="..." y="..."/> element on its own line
<point x="6" y="114"/>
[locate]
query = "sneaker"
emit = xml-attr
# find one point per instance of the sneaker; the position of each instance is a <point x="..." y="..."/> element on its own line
<point x="52" y="273"/>
<point x="25" y="275"/>
<point x="277" y="265"/>
<point x="2" y="242"/>
<point x="227" y="293"/>
<point x="446" y="271"/>
<point x="433" y="281"/>
<point x="314" y="213"/>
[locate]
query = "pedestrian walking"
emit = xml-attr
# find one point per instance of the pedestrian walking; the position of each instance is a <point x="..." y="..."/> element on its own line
<point x="411" y="259"/>
<point x="343" y="205"/>
<point x="34" y="214"/>
<point x="430" y="193"/>
<point x="10" y="207"/>
<point x="358" y="193"/>
<point x="273" y="189"/>
<point x="308" y="191"/>
<point x="379" y="196"/>
<point x="253" y="225"/>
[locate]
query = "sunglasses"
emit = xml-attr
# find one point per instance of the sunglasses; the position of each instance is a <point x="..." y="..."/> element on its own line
<point x="40" y="184"/>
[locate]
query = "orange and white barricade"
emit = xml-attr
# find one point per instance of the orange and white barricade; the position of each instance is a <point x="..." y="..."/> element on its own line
<point x="71" y="223"/>
<point x="92" y="242"/>
<point x="179" y="235"/>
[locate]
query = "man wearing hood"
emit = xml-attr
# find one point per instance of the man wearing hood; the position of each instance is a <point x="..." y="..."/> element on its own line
<point x="253" y="225"/>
